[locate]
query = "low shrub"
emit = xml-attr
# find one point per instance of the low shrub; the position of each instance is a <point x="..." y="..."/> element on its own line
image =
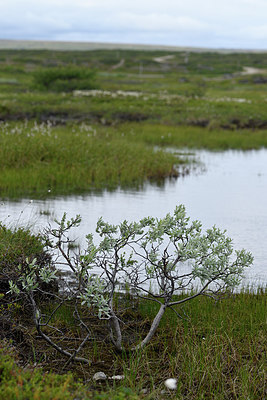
<point x="64" y="79"/>
<point x="16" y="247"/>
<point x="21" y="383"/>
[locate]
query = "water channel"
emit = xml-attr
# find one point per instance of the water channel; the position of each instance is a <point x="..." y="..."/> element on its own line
<point x="227" y="189"/>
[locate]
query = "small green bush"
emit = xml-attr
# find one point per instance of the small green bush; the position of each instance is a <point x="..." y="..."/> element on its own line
<point x="17" y="383"/>
<point x="17" y="245"/>
<point x="64" y="79"/>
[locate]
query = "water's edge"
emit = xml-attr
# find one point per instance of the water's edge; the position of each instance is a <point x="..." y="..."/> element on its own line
<point x="231" y="193"/>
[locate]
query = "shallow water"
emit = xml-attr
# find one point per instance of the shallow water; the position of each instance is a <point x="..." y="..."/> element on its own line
<point x="229" y="192"/>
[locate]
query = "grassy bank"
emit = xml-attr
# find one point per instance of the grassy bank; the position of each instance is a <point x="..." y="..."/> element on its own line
<point x="217" y="351"/>
<point x="38" y="160"/>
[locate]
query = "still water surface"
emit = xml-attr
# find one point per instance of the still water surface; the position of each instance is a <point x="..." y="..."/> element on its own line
<point x="228" y="190"/>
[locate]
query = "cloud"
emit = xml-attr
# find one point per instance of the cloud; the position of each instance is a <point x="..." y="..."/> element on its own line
<point x="157" y="22"/>
<point x="255" y="32"/>
<point x="178" y="22"/>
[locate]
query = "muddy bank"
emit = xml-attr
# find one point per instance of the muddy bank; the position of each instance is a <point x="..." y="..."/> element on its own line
<point x="99" y="117"/>
<point x="232" y="124"/>
<point x="61" y="118"/>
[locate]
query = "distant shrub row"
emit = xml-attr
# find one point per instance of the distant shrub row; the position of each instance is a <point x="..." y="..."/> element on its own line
<point x="64" y="79"/>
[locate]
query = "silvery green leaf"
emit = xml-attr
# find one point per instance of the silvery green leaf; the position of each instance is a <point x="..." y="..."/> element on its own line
<point x="13" y="288"/>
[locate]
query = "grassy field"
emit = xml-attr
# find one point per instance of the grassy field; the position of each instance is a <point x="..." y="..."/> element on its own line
<point x="95" y="117"/>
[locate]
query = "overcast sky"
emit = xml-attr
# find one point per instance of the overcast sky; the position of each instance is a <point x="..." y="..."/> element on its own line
<point x="202" y="23"/>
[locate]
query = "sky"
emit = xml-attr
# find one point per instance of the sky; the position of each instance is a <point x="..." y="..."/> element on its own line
<point x="229" y="24"/>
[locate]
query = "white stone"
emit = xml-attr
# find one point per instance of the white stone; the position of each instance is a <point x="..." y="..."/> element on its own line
<point x="144" y="391"/>
<point x="117" y="377"/>
<point x="171" y="383"/>
<point x="100" y="376"/>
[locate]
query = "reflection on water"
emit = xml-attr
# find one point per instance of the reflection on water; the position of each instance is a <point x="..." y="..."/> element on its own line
<point x="231" y="193"/>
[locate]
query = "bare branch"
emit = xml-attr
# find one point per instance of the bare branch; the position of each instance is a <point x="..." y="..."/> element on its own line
<point x="48" y="339"/>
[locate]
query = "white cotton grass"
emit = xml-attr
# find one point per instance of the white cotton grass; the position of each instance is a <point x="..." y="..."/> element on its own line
<point x="171" y="383"/>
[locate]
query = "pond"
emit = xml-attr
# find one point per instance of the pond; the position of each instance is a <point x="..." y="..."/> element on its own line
<point x="228" y="189"/>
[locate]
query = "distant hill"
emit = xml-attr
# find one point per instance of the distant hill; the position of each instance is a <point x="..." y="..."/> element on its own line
<point x="87" y="46"/>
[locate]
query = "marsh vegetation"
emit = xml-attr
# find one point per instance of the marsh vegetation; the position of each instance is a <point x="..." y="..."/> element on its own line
<point x="81" y="121"/>
<point x="94" y="121"/>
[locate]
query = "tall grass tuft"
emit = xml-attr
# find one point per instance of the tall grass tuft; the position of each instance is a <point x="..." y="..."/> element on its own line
<point x="218" y="351"/>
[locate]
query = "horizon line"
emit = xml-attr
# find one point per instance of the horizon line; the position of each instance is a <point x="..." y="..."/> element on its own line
<point x="32" y="44"/>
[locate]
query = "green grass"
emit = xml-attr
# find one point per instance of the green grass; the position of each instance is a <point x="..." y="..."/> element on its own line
<point x="196" y="137"/>
<point x="37" y="159"/>
<point x="172" y="104"/>
<point x="219" y="351"/>
<point x="201" y="82"/>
